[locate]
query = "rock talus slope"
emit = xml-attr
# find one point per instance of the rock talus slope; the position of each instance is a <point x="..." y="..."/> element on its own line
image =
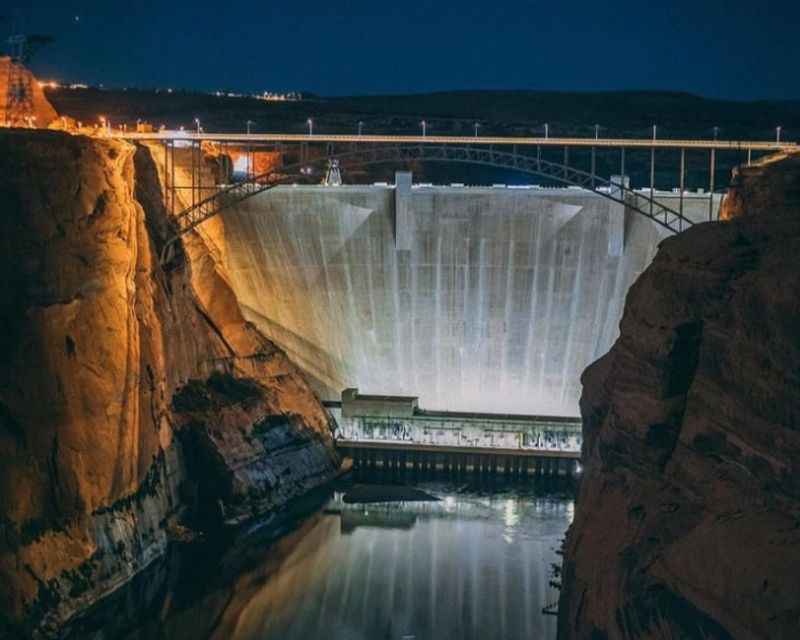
<point x="133" y="401"/>
<point x="688" y="519"/>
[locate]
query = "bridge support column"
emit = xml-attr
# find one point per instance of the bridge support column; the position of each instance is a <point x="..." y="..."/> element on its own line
<point x="712" y="169"/>
<point x="682" y="186"/>
<point x="616" y="222"/>
<point x="403" y="214"/>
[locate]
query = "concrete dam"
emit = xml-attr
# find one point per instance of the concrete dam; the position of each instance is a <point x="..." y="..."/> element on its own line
<point x="488" y="299"/>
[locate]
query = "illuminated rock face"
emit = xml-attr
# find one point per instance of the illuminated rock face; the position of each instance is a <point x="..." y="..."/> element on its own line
<point x="759" y="187"/>
<point x="134" y="402"/>
<point x="473" y="299"/>
<point x="43" y="111"/>
<point x="687" y="519"/>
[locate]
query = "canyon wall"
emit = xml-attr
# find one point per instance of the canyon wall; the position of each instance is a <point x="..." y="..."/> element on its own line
<point x="687" y="523"/>
<point x="136" y="404"/>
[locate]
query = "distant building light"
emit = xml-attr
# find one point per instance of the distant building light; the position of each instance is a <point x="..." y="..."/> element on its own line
<point x="269" y="96"/>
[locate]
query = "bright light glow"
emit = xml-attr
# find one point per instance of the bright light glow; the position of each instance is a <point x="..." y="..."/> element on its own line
<point x="510" y="515"/>
<point x="291" y="96"/>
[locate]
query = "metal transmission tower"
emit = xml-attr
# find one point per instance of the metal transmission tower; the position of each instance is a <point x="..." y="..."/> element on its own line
<point x="333" y="176"/>
<point x="19" y="86"/>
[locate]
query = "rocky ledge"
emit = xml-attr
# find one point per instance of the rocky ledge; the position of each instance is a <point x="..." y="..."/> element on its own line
<point x="136" y="404"/>
<point x="688" y="518"/>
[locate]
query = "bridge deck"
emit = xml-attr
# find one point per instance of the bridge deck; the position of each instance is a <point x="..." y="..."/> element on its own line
<point x="245" y="138"/>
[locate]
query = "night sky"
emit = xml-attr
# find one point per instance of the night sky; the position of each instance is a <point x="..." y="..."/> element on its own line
<point x="740" y="49"/>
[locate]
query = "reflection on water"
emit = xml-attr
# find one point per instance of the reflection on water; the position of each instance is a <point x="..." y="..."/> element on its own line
<point x="472" y="565"/>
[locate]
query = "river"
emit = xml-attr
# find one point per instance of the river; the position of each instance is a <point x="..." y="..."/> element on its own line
<point x="475" y="564"/>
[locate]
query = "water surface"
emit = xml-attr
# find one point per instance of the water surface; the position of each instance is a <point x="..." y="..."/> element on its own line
<point x="474" y="564"/>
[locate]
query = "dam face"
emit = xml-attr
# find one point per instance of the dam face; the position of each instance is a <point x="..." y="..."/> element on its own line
<point x="473" y="299"/>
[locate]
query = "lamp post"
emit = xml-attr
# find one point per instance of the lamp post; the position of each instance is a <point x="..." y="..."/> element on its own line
<point x="597" y="132"/>
<point x="360" y="127"/>
<point x="424" y="128"/>
<point x="655" y="129"/>
<point x="310" y="124"/>
<point x="716" y="133"/>
<point x="197" y="125"/>
<point x="778" y="134"/>
<point x="546" y="130"/>
<point x="249" y="123"/>
<point x="477" y="126"/>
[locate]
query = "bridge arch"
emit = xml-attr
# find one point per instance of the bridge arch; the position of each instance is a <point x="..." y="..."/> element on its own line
<point x="638" y="201"/>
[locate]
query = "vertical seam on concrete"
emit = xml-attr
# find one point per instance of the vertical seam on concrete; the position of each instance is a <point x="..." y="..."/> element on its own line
<point x="480" y="305"/>
<point x="462" y="350"/>
<point x="576" y="289"/>
<point x="370" y="289"/>
<point x="553" y="243"/>
<point x="534" y="297"/>
<point x="507" y="312"/>
<point x="599" y="323"/>
<point x="437" y="307"/>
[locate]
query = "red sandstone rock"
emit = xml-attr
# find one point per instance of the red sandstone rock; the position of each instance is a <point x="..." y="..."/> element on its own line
<point x="760" y="188"/>
<point x="42" y="109"/>
<point x="688" y="519"/>
<point x="101" y="447"/>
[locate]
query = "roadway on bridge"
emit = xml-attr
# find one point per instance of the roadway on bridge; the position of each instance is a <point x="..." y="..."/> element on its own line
<point x="253" y="138"/>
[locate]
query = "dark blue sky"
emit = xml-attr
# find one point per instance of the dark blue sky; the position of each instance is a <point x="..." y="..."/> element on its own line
<point x="740" y="49"/>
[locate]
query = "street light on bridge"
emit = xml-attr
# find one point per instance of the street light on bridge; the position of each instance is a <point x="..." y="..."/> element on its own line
<point x="716" y="133"/>
<point x="655" y="129"/>
<point x="546" y="130"/>
<point x="360" y="127"/>
<point x="778" y="134"/>
<point x="424" y="128"/>
<point x="248" y="124"/>
<point x="597" y="132"/>
<point x="477" y="125"/>
<point x="197" y="125"/>
<point x="310" y="124"/>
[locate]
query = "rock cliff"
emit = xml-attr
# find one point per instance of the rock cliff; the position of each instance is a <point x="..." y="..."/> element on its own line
<point x="688" y="519"/>
<point x="134" y="402"/>
<point x="43" y="111"/>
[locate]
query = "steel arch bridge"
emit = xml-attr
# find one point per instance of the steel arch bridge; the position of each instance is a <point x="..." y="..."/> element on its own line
<point x="641" y="202"/>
